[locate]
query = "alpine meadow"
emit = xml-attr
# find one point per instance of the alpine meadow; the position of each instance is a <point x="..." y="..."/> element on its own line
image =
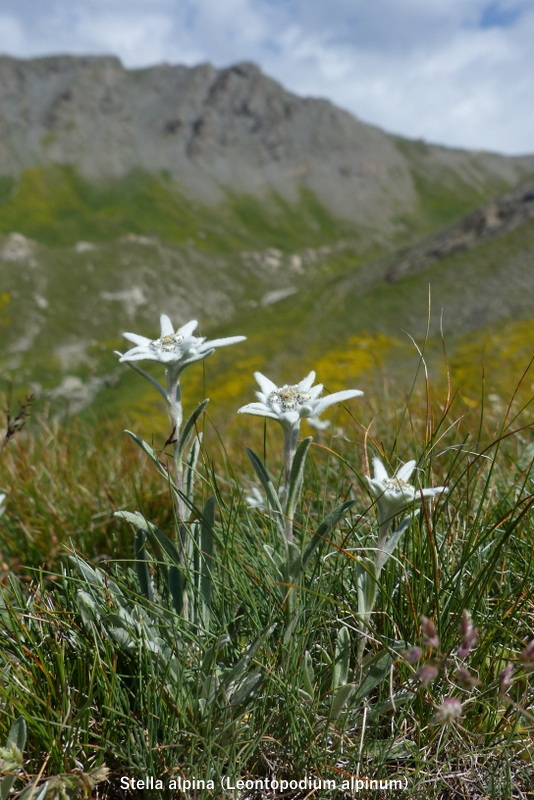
<point x="266" y="446"/>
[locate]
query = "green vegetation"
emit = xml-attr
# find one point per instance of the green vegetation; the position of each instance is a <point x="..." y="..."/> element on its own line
<point x="56" y="206"/>
<point x="446" y="193"/>
<point x="145" y="245"/>
<point x="447" y="199"/>
<point x="102" y="671"/>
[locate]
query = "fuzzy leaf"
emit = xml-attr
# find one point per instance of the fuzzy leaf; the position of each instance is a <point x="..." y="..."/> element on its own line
<point x="340" y="673"/>
<point x="166" y="545"/>
<point x="87" y="607"/>
<point x="175" y="583"/>
<point x="17" y="734"/>
<point x="275" y="557"/>
<point x="16" y="741"/>
<point x="213" y="653"/>
<point x="308" y="674"/>
<point x="151" y="453"/>
<point x="207" y="541"/>
<point x="92" y="577"/>
<point x="189" y="427"/>
<point x="175" y="577"/>
<point x="98" y="580"/>
<point x="389" y="705"/>
<point x="33" y="792"/>
<point x="119" y="631"/>
<point x="393" y="540"/>
<point x="378" y="668"/>
<point x="210" y="684"/>
<point x="367" y="587"/>
<point x="294" y="562"/>
<point x="265" y="480"/>
<point x="278" y="563"/>
<point x="190" y="469"/>
<point x="296" y="476"/>
<point x="340" y="698"/>
<point x="245" y="691"/>
<point x="236" y="671"/>
<point x="5" y="786"/>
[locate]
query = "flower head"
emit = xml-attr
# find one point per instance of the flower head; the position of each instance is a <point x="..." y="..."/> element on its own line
<point x="469" y="634"/>
<point x="527" y="657"/>
<point x="255" y="499"/>
<point x="177" y="348"/>
<point x="427" y="673"/>
<point x="505" y="678"/>
<point x="412" y="654"/>
<point x="465" y="678"/>
<point x="429" y="634"/>
<point x="394" y="494"/>
<point x="448" y="712"/>
<point x="289" y="404"/>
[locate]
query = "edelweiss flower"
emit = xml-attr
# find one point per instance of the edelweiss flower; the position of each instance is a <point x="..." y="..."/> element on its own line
<point x="179" y="348"/>
<point x="255" y="499"/>
<point x="395" y="494"/>
<point x="290" y="403"/>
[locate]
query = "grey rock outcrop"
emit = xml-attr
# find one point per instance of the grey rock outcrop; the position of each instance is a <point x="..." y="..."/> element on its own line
<point x="213" y="131"/>
<point x="500" y="216"/>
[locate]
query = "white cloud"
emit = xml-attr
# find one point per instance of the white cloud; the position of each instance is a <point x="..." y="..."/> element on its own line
<point x="12" y="33"/>
<point x="459" y="73"/>
<point x="468" y="88"/>
<point x="142" y="37"/>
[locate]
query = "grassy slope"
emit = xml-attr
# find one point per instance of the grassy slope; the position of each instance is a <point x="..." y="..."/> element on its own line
<point x="195" y="249"/>
<point x="56" y="206"/>
<point x="352" y="335"/>
<point x="91" y="697"/>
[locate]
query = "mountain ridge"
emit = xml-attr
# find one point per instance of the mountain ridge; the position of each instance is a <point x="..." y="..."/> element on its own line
<point x="216" y="129"/>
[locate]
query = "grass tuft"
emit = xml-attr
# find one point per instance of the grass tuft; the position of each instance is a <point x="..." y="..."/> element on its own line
<point x="105" y="673"/>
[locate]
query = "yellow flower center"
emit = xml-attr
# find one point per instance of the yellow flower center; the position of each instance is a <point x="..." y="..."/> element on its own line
<point x="398" y="485"/>
<point x="168" y="343"/>
<point x="289" y="397"/>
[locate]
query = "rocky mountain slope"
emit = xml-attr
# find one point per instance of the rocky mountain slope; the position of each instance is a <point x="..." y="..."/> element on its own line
<point x="500" y="216"/>
<point x="218" y="130"/>
<point x="216" y="194"/>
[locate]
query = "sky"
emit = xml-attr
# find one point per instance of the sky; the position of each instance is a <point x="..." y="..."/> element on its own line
<point x="452" y="72"/>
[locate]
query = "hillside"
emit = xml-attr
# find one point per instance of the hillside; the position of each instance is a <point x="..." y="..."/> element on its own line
<point x="219" y="130"/>
<point x="471" y="284"/>
<point x="217" y="194"/>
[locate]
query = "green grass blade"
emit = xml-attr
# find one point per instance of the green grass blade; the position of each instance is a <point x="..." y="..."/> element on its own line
<point x="319" y="537"/>
<point x="141" y="564"/>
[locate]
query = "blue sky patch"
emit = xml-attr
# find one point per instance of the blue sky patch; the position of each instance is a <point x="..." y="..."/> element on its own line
<point x="494" y="16"/>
